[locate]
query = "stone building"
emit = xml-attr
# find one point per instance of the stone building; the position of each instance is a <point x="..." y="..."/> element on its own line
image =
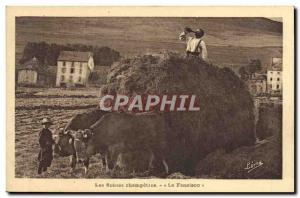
<point x="257" y="84"/>
<point x="74" y="68"/>
<point x="31" y="73"/>
<point x="274" y="76"/>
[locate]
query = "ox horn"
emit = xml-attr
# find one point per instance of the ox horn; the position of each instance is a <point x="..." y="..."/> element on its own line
<point x="66" y="132"/>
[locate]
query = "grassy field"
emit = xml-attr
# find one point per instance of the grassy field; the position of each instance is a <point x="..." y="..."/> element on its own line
<point x="29" y="113"/>
<point x="30" y="109"/>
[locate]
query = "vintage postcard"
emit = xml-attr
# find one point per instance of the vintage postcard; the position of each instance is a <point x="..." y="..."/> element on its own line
<point x="150" y="99"/>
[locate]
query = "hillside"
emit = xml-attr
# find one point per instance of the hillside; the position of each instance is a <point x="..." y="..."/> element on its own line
<point x="229" y="40"/>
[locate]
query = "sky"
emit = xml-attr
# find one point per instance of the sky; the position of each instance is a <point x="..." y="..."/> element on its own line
<point x="275" y="19"/>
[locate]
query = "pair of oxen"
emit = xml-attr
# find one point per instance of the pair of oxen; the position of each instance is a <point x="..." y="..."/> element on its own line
<point x="112" y="135"/>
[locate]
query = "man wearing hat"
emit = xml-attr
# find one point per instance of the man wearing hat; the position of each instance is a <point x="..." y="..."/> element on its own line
<point x="195" y="45"/>
<point x="46" y="141"/>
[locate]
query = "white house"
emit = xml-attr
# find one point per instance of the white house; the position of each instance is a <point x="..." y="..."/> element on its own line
<point x="74" y="68"/>
<point x="274" y="76"/>
<point x="31" y="73"/>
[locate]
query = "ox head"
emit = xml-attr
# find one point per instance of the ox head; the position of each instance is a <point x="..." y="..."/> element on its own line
<point x="65" y="141"/>
<point x="83" y="135"/>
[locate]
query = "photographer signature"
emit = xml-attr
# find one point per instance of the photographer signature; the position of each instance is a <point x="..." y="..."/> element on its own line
<point x="252" y="165"/>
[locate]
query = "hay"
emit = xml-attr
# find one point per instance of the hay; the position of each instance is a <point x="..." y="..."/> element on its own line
<point x="225" y="119"/>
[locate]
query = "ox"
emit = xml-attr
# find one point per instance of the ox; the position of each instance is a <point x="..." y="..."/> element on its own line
<point x="127" y="133"/>
<point x="70" y="140"/>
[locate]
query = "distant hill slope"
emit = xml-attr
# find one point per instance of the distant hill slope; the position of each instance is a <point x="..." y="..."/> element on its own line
<point x="229" y="40"/>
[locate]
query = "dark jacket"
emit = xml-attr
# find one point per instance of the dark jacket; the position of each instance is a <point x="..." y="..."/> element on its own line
<point x="46" y="153"/>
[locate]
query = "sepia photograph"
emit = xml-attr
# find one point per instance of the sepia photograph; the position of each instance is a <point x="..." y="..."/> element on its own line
<point x="150" y="98"/>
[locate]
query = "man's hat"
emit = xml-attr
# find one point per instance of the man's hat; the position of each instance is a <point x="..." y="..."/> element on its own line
<point x="199" y="33"/>
<point x="46" y="121"/>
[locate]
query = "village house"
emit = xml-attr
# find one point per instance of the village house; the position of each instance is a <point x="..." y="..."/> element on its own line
<point x="274" y="76"/>
<point x="31" y="73"/>
<point x="257" y="84"/>
<point x="74" y="68"/>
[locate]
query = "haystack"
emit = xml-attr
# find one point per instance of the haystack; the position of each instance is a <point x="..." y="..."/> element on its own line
<point x="225" y="119"/>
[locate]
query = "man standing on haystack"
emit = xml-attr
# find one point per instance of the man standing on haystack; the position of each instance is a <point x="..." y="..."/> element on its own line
<point x="195" y="45"/>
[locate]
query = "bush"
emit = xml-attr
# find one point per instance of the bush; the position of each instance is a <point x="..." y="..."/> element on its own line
<point x="220" y="164"/>
<point x="270" y="121"/>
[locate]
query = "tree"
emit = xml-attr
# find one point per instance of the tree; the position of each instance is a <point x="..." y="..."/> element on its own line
<point x="38" y="50"/>
<point x="252" y="67"/>
<point x="47" y="54"/>
<point x="243" y="73"/>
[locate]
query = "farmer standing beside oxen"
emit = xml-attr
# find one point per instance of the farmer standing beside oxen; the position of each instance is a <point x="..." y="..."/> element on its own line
<point x="46" y="141"/>
<point x="195" y="45"/>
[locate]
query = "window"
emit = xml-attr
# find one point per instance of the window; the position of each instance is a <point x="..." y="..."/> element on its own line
<point x="278" y="79"/>
<point x="278" y="72"/>
<point x="79" y="79"/>
<point x="277" y="87"/>
<point x="71" y="79"/>
<point x="62" y="78"/>
<point x="64" y="63"/>
<point x="271" y="79"/>
<point x="63" y="70"/>
<point x="80" y="68"/>
<point x="72" y="68"/>
<point x="271" y="72"/>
